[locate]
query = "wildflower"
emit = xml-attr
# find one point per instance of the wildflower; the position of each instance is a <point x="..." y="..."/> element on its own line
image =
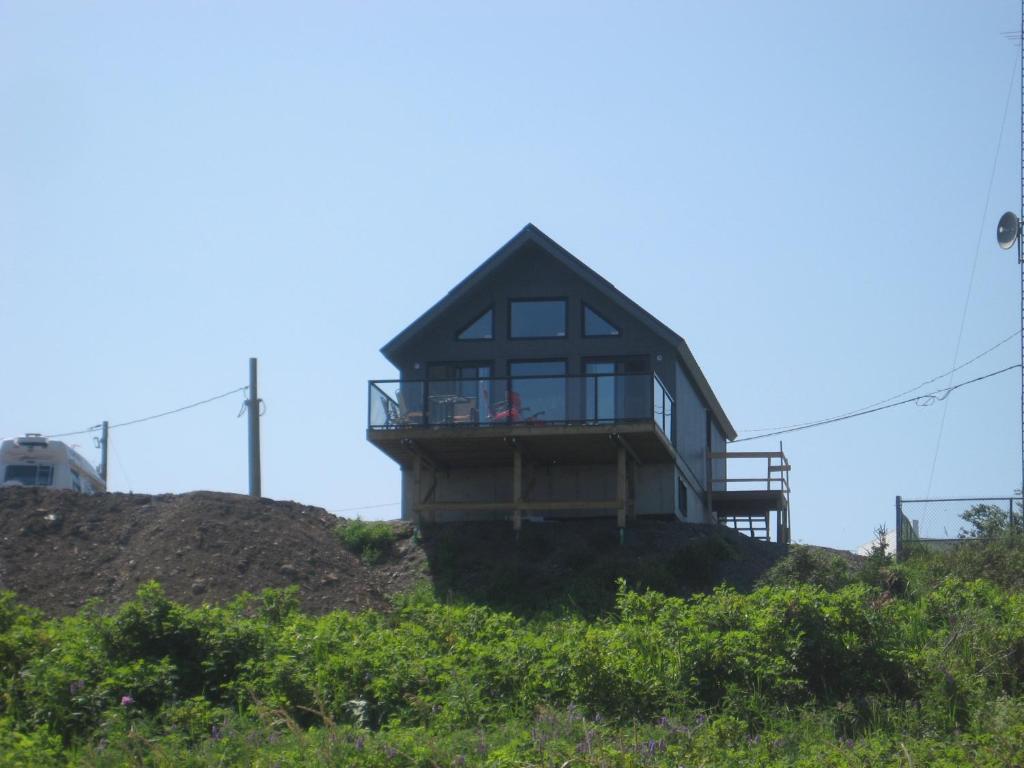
<point x="755" y="739"/>
<point x="127" y="700"/>
<point x="215" y="732"/>
<point x="459" y="761"/>
<point x="75" y="686"/>
<point x="701" y="719"/>
<point x="359" y="743"/>
<point x="663" y="721"/>
<point x="390" y="751"/>
<point x="848" y="743"/>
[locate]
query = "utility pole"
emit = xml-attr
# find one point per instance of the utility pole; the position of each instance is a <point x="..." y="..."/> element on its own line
<point x="104" y="440"/>
<point x="253" y="406"/>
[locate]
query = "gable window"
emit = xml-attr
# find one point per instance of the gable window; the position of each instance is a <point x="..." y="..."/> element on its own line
<point x="481" y="328"/>
<point x="537" y="318"/>
<point x="594" y="324"/>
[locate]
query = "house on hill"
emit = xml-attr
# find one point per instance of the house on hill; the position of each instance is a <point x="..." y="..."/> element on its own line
<point x="535" y="388"/>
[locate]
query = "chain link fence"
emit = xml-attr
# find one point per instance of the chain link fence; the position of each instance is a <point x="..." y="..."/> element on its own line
<point x="940" y="523"/>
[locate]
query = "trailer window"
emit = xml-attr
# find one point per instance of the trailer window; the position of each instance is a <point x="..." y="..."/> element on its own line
<point x="29" y="474"/>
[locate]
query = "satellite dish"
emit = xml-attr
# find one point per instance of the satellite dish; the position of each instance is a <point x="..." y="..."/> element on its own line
<point x="1008" y="230"/>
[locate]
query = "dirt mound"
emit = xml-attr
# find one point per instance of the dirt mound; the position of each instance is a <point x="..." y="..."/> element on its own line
<point x="58" y="549"/>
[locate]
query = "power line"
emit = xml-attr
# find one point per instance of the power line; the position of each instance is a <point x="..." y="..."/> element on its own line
<point x="932" y="380"/>
<point x="150" y="418"/>
<point x="369" y="506"/>
<point x="927" y="399"/>
<point x="974" y="265"/>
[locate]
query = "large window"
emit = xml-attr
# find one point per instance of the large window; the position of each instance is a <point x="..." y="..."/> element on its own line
<point x="537" y="318"/>
<point x="617" y="388"/>
<point x="481" y="328"/>
<point x="537" y="390"/>
<point x="458" y="393"/>
<point x="29" y="474"/>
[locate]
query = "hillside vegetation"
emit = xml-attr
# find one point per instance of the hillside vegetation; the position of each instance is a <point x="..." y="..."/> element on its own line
<point x="920" y="664"/>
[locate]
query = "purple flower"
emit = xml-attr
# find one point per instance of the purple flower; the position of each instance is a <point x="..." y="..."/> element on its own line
<point x="127" y="700"/>
<point x="359" y="743"/>
<point x="390" y="751"/>
<point x="848" y="743"/>
<point x="75" y="686"/>
<point x="701" y="719"/>
<point x="215" y="732"/>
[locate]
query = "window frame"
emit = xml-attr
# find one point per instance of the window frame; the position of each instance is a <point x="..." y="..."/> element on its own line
<point x="463" y="329"/>
<point x="584" y="306"/>
<point x="565" y="376"/>
<point x="536" y="300"/>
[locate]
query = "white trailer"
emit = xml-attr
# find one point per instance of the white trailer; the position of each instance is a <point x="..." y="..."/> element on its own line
<point x="34" y="460"/>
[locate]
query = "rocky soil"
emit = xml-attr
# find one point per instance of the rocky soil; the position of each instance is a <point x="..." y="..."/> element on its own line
<point x="60" y="549"/>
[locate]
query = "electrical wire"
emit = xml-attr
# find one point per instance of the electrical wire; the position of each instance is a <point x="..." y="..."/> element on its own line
<point x="974" y="265"/>
<point x="930" y="398"/>
<point x="370" y="506"/>
<point x="932" y="380"/>
<point x="149" y="418"/>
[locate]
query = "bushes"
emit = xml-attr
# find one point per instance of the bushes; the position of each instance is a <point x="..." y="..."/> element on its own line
<point x="179" y="676"/>
<point x="369" y="540"/>
<point x="806" y="565"/>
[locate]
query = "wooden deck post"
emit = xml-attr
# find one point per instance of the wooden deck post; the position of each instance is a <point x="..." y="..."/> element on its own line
<point x="417" y="489"/>
<point x="622" y="495"/>
<point x="517" y="489"/>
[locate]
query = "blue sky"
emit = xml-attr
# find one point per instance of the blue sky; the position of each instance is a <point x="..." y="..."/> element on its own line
<point x="799" y="189"/>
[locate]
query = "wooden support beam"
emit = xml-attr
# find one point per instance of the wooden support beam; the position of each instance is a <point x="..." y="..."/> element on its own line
<point x="421" y="453"/>
<point x="417" y="482"/>
<point x="621" y="486"/>
<point x="517" y="488"/>
<point x="621" y="440"/>
<point x="525" y="506"/>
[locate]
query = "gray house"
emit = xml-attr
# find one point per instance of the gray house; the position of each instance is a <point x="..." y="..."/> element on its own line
<point x="535" y="388"/>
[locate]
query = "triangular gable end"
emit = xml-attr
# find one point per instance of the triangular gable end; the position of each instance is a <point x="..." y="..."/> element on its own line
<point x="531" y="233"/>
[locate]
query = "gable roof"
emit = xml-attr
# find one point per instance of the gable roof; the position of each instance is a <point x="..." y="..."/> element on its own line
<point x="531" y="234"/>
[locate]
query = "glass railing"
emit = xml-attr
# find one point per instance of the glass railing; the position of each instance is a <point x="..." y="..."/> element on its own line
<point x="588" y="399"/>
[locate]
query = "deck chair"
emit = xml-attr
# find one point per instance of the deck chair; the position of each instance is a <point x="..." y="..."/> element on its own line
<point x="464" y="412"/>
<point x="508" y="410"/>
<point x="405" y="416"/>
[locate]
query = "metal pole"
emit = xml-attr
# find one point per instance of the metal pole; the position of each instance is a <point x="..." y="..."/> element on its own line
<point x="104" y="439"/>
<point x="253" y="406"/>
<point x="899" y="527"/>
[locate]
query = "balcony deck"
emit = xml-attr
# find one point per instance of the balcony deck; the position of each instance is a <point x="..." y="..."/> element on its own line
<point x="493" y="445"/>
<point x="553" y="419"/>
<point x="748" y="510"/>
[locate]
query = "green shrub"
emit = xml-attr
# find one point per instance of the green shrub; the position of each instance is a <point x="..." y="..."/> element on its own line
<point x="371" y="540"/>
<point x="784" y="675"/>
<point x="808" y="565"/>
